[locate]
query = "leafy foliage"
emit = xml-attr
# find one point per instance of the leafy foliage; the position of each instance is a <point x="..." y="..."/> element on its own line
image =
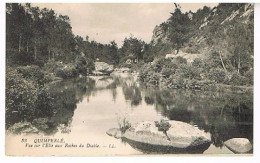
<point x="124" y="124"/>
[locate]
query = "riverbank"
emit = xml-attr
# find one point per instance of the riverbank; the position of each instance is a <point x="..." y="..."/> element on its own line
<point x="176" y="73"/>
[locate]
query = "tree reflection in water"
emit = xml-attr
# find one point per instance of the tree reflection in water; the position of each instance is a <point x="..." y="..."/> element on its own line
<point x="224" y="115"/>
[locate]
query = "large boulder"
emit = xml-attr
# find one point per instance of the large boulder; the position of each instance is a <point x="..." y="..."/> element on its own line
<point x="239" y="145"/>
<point x="104" y="68"/>
<point x="181" y="138"/>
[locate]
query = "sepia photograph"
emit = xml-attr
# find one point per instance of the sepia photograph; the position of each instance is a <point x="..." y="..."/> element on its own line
<point x="129" y="79"/>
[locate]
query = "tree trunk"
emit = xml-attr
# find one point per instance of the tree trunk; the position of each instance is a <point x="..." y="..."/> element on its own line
<point x="239" y="65"/>
<point x="223" y="65"/>
<point x="27" y="47"/>
<point x="49" y="54"/>
<point x="35" y="50"/>
<point x="20" y="42"/>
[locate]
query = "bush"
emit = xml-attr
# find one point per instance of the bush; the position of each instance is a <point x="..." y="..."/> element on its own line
<point x="67" y="71"/>
<point x="160" y="63"/>
<point x="44" y="104"/>
<point x="25" y="99"/>
<point x="124" y="125"/>
<point x="33" y="73"/>
<point x="192" y="49"/>
<point x="237" y="79"/>
<point x="163" y="126"/>
<point x="199" y="63"/>
<point x="21" y="97"/>
<point x="166" y="72"/>
<point x="187" y="71"/>
<point x="181" y="60"/>
<point x="218" y="75"/>
<point x="52" y="66"/>
<point x="250" y="77"/>
<point x="84" y="66"/>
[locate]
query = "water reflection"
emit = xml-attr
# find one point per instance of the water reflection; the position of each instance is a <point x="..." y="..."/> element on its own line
<point x="224" y="115"/>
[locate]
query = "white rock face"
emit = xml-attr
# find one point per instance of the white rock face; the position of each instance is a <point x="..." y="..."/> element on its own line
<point x="239" y="145"/>
<point x="188" y="56"/>
<point x="183" y="137"/>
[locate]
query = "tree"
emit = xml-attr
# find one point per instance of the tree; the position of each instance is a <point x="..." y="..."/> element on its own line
<point x="132" y="49"/>
<point x="240" y="40"/>
<point x="49" y="22"/>
<point x="178" y="28"/>
<point x="113" y="52"/>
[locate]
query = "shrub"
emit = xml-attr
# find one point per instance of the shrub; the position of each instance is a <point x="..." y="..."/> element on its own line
<point x="216" y="74"/>
<point x="154" y="78"/>
<point x="181" y="60"/>
<point x="160" y="63"/>
<point x="25" y="100"/>
<point x="166" y="72"/>
<point x="33" y="73"/>
<point x="192" y="49"/>
<point x="237" y="79"/>
<point x="123" y="124"/>
<point x="67" y="71"/>
<point x="188" y="71"/>
<point x="163" y="126"/>
<point x="21" y="97"/>
<point x="199" y="63"/>
<point x="250" y="77"/>
<point x="52" y="66"/>
<point x="84" y="66"/>
<point x="44" y="104"/>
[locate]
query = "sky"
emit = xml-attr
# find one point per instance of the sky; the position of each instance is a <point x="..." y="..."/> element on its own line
<point x="104" y="22"/>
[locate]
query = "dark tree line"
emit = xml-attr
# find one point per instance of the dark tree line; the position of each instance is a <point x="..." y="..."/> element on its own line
<point x="35" y="35"/>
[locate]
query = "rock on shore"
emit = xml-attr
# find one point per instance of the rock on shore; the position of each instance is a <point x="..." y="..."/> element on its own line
<point x="184" y="138"/>
<point x="239" y="145"/>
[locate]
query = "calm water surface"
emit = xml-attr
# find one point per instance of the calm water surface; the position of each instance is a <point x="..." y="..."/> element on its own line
<point x="88" y="107"/>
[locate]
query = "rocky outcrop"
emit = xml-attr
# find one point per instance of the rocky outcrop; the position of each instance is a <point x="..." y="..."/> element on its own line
<point x="188" y="56"/>
<point x="102" y="68"/>
<point x="159" y="35"/>
<point x="239" y="145"/>
<point x="181" y="138"/>
<point x="224" y="15"/>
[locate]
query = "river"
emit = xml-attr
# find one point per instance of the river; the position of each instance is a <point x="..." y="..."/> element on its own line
<point x="88" y="107"/>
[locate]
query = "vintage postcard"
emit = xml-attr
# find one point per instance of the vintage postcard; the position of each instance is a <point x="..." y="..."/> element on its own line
<point x="129" y="79"/>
